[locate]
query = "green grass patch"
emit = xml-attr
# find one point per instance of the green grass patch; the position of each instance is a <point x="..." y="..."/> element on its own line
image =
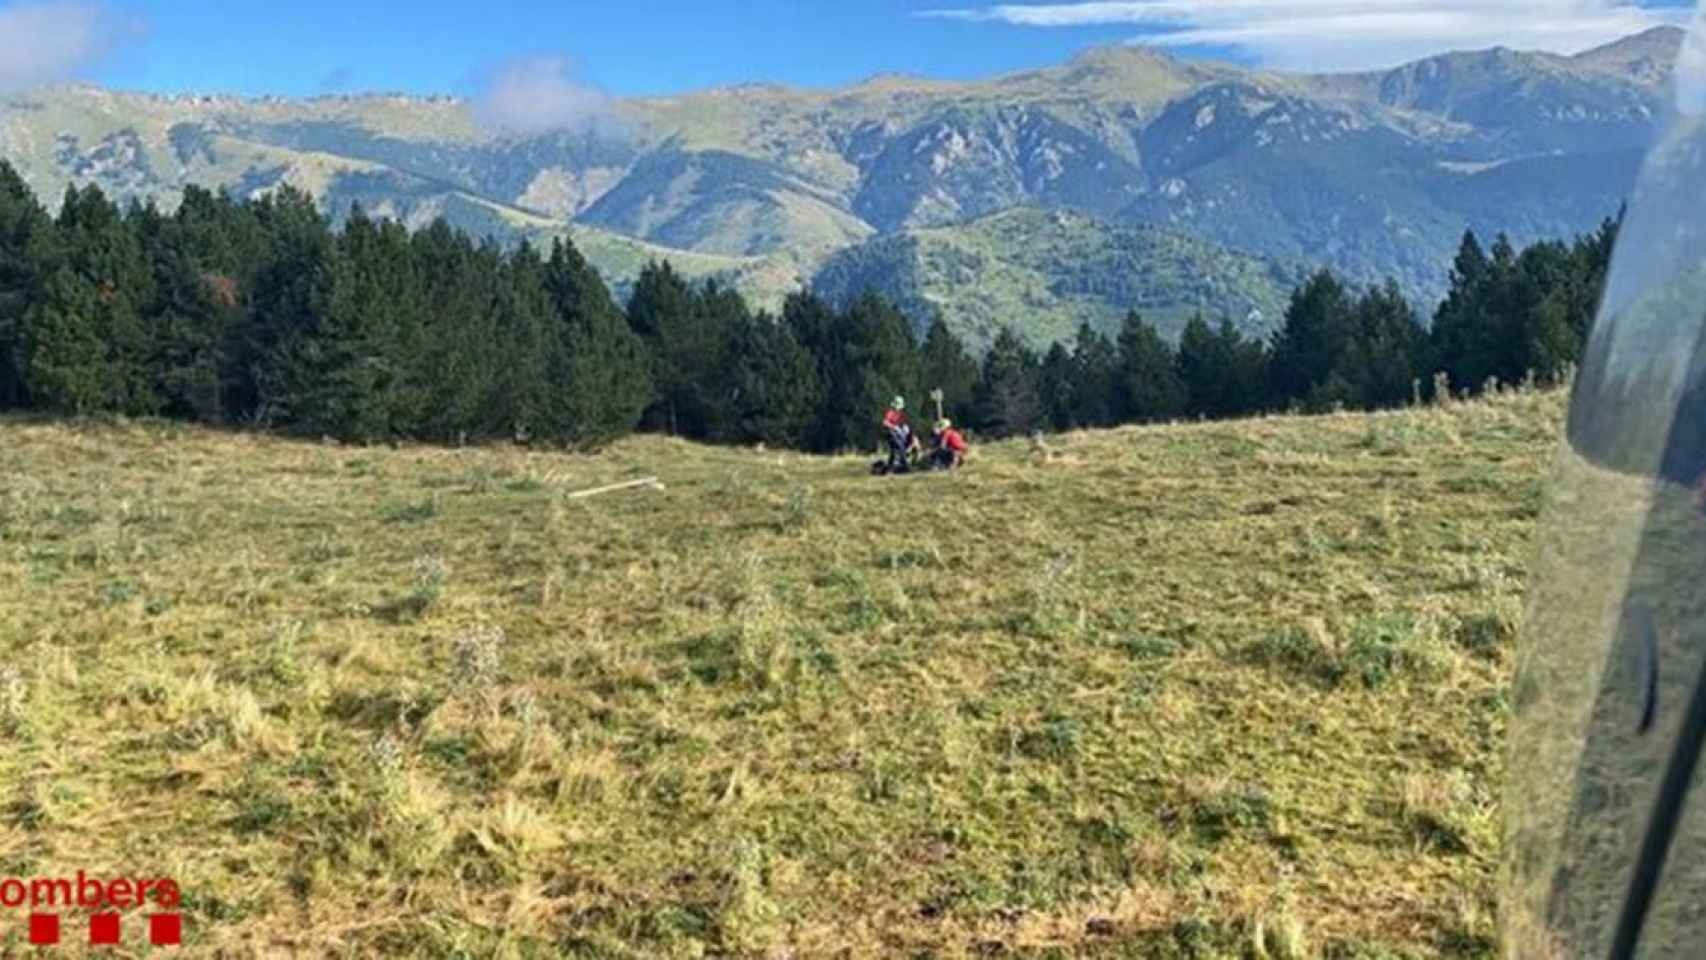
<point x="1184" y="691"/>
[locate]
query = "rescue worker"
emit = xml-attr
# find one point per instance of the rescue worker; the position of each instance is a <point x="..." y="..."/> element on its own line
<point x="903" y="443"/>
<point x="948" y="447"/>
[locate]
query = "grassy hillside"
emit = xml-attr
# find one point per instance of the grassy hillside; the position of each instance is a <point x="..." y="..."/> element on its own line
<point x="1049" y="271"/>
<point x="1163" y="692"/>
<point x="728" y="204"/>
<point x="764" y="281"/>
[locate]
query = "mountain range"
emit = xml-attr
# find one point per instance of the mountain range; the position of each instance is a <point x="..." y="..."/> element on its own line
<point x="1123" y="178"/>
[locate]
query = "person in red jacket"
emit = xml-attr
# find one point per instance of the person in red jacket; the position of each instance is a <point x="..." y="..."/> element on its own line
<point x="903" y="443"/>
<point x="950" y="446"/>
<point x="895" y="415"/>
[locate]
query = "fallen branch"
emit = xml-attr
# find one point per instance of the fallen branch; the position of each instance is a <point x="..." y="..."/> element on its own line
<point x="644" y="482"/>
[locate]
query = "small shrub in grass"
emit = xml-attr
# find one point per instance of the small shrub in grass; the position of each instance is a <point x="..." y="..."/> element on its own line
<point x="1049" y="608"/>
<point x="910" y="559"/>
<point x="325" y="549"/>
<point x="452" y="751"/>
<point x="1388" y="435"/>
<point x="882" y="781"/>
<point x="730" y="654"/>
<point x="481" y="480"/>
<point x="197" y="733"/>
<point x="1145" y="647"/>
<point x="1231" y="810"/>
<point x="733" y="484"/>
<point x="1485" y="634"/>
<point x="413" y="512"/>
<point x="1360" y="950"/>
<point x="1278" y="938"/>
<point x="1381" y="647"/>
<point x="796" y="510"/>
<point x="429" y="574"/>
<point x="14" y="694"/>
<point x="1377" y="650"/>
<point x="1055" y="739"/>
<point x="119" y="591"/>
<point x="386" y="752"/>
<point x="528" y="483"/>
<point x="1439" y="835"/>
<point x="1196" y="938"/>
<point x="523" y="705"/>
<point x="1432" y="806"/>
<point x="281" y="662"/>
<point x="476" y="657"/>
<point x="261" y="811"/>
<point x="747" y="914"/>
<point x="1300" y="651"/>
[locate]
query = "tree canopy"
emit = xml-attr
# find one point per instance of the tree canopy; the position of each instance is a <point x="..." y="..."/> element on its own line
<point x="265" y="313"/>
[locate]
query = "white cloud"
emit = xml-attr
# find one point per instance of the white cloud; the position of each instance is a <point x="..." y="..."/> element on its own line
<point x="540" y="94"/>
<point x="46" y="42"/>
<point x="1345" y="34"/>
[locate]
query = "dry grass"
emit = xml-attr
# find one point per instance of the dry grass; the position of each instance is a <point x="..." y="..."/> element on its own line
<point x="1206" y="690"/>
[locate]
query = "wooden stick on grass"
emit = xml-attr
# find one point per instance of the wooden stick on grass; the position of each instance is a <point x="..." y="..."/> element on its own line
<point x="643" y="482"/>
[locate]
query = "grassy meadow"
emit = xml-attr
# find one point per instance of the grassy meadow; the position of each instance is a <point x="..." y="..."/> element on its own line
<point x="1204" y="690"/>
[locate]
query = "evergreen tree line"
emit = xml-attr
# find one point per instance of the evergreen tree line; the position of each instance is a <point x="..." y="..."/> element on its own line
<point x="260" y="313"/>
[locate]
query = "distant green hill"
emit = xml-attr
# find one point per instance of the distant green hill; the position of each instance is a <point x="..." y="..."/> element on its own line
<point x="764" y="281"/>
<point x="1047" y="271"/>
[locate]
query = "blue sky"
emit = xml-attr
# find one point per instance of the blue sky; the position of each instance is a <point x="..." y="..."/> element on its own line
<point x="625" y="47"/>
<point x="628" y="47"/>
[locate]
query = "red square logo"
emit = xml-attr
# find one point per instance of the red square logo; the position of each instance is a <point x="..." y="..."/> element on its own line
<point x="44" y="928"/>
<point x="104" y="928"/>
<point x="165" y="929"/>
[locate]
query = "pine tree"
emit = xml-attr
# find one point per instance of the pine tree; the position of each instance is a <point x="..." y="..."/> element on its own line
<point x="1147" y="386"/>
<point x="815" y="327"/>
<point x="1205" y="364"/>
<point x="1095" y="362"/>
<point x="69" y="371"/>
<point x="343" y="374"/>
<point x="1496" y="347"/>
<point x="524" y="325"/>
<point x="391" y="290"/>
<point x="864" y="357"/>
<point x="224" y="242"/>
<point x="948" y="368"/>
<point x="725" y="316"/>
<point x="192" y="317"/>
<point x="689" y="352"/>
<point x="1458" y="335"/>
<point x="1470" y="264"/>
<point x="1319" y="328"/>
<point x="104" y="251"/>
<point x="883" y="362"/>
<point x="1223" y="372"/>
<point x="1056" y="385"/>
<point x="601" y="381"/>
<point x="1247" y="380"/>
<point x="775" y="385"/>
<point x="1384" y="364"/>
<point x="1541" y="337"/>
<point x="1592" y="255"/>
<point x="25" y="248"/>
<point x="461" y="354"/>
<point x="288" y="296"/>
<point x="1009" y="403"/>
